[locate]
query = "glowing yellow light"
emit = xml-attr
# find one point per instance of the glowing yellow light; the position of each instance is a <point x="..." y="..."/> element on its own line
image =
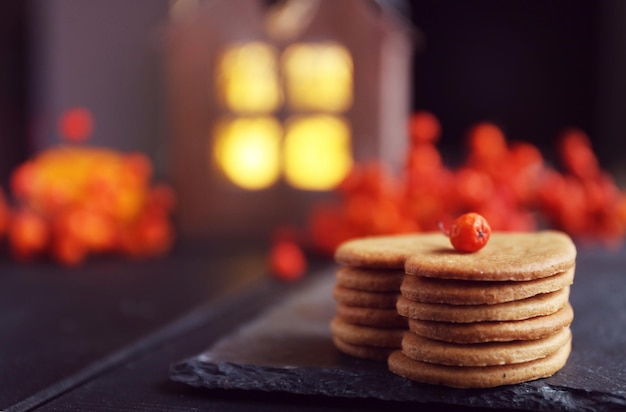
<point x="247" y="151"/>
<point x="247" y="78"/>
<point x="317" y="152"/>
<point x="318" y="76"/>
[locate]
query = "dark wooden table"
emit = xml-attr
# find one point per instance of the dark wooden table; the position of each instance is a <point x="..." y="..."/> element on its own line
<point x="61" y="329"/>
<point x="102" y="337"/>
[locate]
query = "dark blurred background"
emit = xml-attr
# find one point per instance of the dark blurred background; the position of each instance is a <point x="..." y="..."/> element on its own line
<point x="14" y="69"/>
<point x="532" y="66"/>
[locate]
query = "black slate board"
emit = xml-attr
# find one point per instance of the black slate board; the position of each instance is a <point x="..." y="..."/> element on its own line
<point x="288" y="349"/>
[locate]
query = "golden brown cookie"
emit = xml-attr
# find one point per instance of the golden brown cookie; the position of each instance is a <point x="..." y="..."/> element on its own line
<point x="363" y="351"/>
<point x="482" y="354"/>
<point x="353" y="297"/>
<point x="365" y="335"/>
<point x="388" y="252"/>
<point x="373" y="280"/>
<point x="533" y="328"/>
<point x="539" y="305"/>
<point x="380" y="318"/>
<point x="507" y="256"/>
<point x="478" y="376"/>
<point x="468" y="292"/>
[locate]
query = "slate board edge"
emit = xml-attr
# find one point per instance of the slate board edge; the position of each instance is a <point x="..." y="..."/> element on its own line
<point x="536" y="395"/>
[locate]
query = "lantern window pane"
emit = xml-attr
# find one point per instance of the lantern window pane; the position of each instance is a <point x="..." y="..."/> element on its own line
<point x="247" y="150"/>
<point x="247" y="78"/>
<point x="317" y="152"/>
<point x="318" y="76"/>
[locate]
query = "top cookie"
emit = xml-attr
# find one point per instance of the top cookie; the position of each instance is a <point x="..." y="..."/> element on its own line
<point x="388" y="252"/>
<point x="507" y="256"/>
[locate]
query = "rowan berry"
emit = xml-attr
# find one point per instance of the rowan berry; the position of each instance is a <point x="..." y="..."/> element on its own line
<point x="469" y="232"/>
<point x="424" y="127"/>
<point x="488" y="148"/>
<point x="28" y="234"/>
<point x="287" y="261"/>
<point x="577" y="154"/>
<point x="76" y="124"/>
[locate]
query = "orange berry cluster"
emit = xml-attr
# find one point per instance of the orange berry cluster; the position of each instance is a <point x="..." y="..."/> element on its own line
<point x="509" y="183"/>
<point x="70" y="202"/>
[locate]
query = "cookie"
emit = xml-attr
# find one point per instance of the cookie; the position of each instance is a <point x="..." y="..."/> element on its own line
<point x="363" y="351"/>
<point x="478" y="376"/>
<point x="374" y="280"/>
<point x="507" y="256"/>
<point x="364" y="335"/>
<point x="468" y="292"/>
<point x="533" y="328"/>
<point x="380" y="318"/>
<point x="353" y="297"/>
<point x="386" y="252"/>
<point x="539" y="305"/>
<point x="482" y="354"/>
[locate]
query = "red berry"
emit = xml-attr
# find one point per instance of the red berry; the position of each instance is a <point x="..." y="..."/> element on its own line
<point x="76" y="124"/>
<point x="469" y="232"/>
<point x="28" y="234"/>
<point x="424" y="127"/>
<point x="287" y="261"/>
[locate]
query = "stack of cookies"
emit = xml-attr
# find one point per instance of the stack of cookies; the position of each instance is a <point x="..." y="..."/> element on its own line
<point x="367" y="324"/>
<point x="495" y="317"/>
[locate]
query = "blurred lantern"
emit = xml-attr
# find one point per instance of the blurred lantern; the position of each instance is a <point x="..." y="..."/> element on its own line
<point x="271" y="105"/>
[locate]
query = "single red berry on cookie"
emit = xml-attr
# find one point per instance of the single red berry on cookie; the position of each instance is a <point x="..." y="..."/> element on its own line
<point x="469" y="232"/>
